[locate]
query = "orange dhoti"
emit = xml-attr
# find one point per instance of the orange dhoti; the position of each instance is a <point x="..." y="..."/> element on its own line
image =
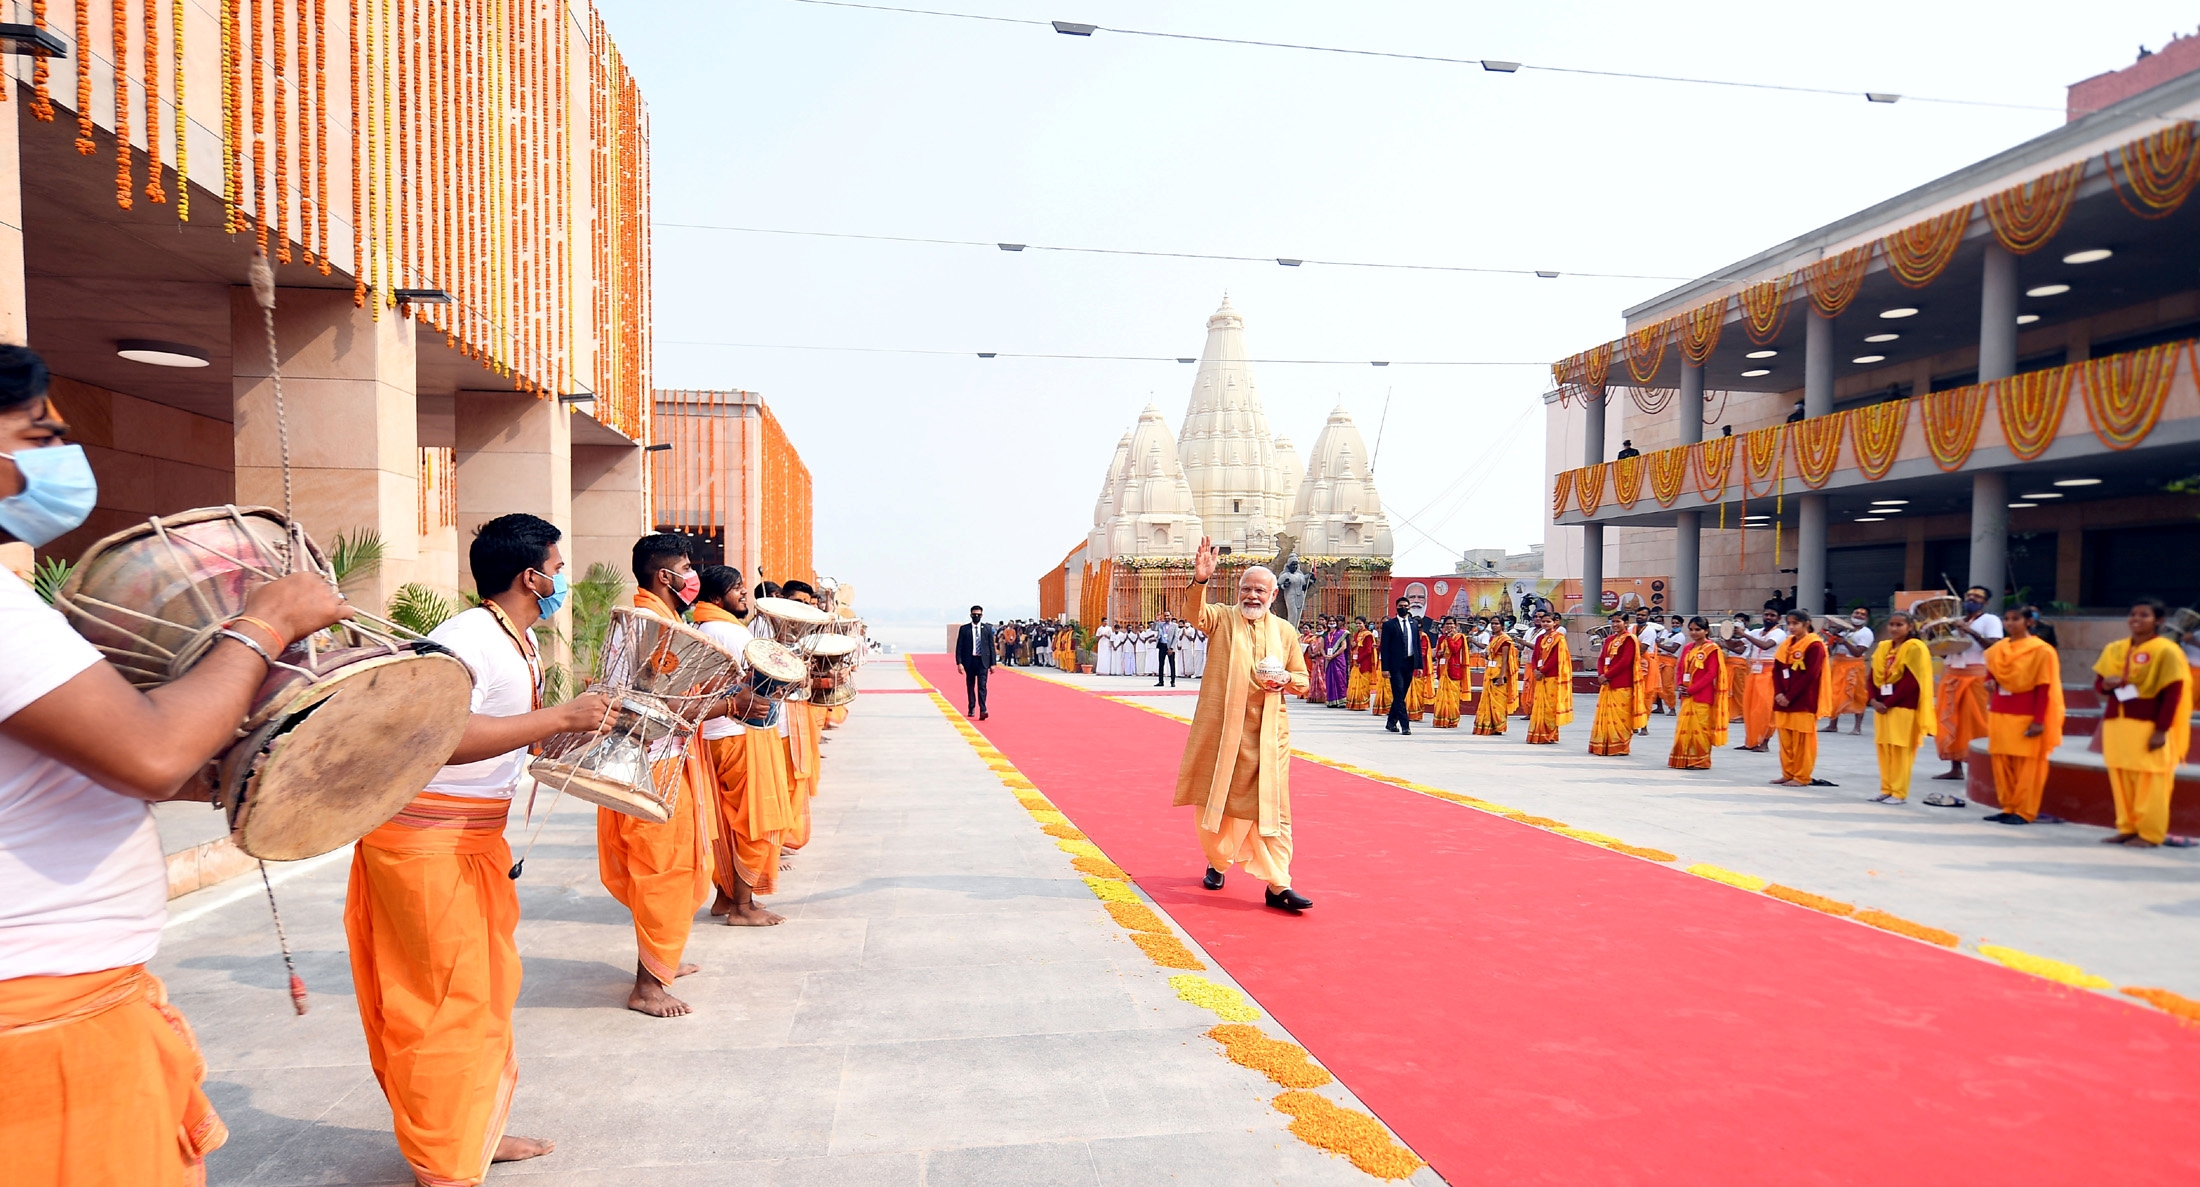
<point x="99" y="1083"/>
<point x="1239" y="841"/>
<point x="661" y="872"/>
<point x="429" y="915"/>
<point x="1665" y="673"/>
<point x="1614" y="730"/>
<point x="751" y="767"/>
<point x="1757" y="705"/>
<point x="1962" y="706"/>
<point x="1851" y="687"/>
<point x="1449" y="694"/>
<point x="802" y="772"/>
<point x="1694" y="735"/>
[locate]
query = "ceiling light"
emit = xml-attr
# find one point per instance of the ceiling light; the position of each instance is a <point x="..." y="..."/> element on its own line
<point x="2022" y="506"/>
<point x="1867" y="519"/>
<point x="1886" y="511"/>
<point x="2025" y="319"/>
<point x="2047" y="290"/>
<point x="1760" y="354"/>
<point x="1881" y="337"/>
<point x="1756" y="373"/>
<point x="2077" y="482"/>
<point x="1869" y="358"/>
<point x="1890" y="502"/>
<point x="2091" y="255"/>
<point x="160" y="354"/>
<point x="1892" y="314"/>
<point x="2045" y="494"/>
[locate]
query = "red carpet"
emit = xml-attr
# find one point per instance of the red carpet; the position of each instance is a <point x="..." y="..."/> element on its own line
<point x="1521" y="1007"/>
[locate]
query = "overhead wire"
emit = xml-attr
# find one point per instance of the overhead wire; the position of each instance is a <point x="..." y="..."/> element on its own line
<point x="1111" y="358"/>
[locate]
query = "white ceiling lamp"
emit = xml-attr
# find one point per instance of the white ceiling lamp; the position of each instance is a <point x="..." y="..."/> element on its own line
<point x="1886" y="511"/>
<point x="1758" y="373"/>
<point x="2091" y="255"/>
<point x="1896" y="314"/>
<point x="1869" y="358"/>
<point x="1867" y="519"/>
<point x="1881" y="337"/>
<point x="2022" y="506"/>
<point x="2047" y="290"/>
<point x="160" y="354"/>
<point x="2045" y="494"/>
<point x="1761" y="354"/>
<point x="2077" y="482"/>
<point x="1890" y="502"/>
<point x="2025" y="319"/>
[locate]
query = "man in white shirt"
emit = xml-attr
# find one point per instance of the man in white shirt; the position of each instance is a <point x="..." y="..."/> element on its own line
<point x="753" y="781"/>
<point x="99" y="1075"/>
<point x="1756" y="692"/>
<point x="1961" y="701"/>
<point x="1850" y="645"/>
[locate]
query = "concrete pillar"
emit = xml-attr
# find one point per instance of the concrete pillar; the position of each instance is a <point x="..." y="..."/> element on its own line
<point x="348" y="396"/>
<point x="515" y="453"/>
<point x="1688" y="525"/>
<point x="2070" y="562"/>
<point x="14" y="317"/>
<point x="607" y="508"/>
<point x="1592" y="534"/>
<point x="1810" y="510"/>
<point x="1997" y="359"/>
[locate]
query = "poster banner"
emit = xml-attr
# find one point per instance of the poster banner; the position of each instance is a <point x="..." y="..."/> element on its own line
<point x="1632" y="593"/>
<point x="1436" y="597"/>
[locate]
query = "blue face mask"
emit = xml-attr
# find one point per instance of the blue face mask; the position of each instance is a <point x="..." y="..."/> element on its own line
<point x="58" y="494"/>
<point x="551" y="604"/>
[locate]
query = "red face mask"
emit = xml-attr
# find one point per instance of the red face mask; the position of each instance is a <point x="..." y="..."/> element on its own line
<point x="690" y="586"/>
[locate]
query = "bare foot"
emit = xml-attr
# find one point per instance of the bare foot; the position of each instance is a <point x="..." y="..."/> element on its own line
<point x="752" y="914"/>
<point x="722" y="904"/>
<point x="511" y="1149"/>
<point x="688" y="970"/>
<point x="650" y="998"/>
<point x="1787" y="783"/>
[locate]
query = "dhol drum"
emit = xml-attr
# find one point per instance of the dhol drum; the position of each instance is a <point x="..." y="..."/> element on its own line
<point x="775" y="673"/>
<point x="346" y="728"/>
<point x="834" y="659"/>
<point x="2183" y="626"/>
<point x="661" y="678"/>
<point x="1938" y="622"/>
<point x="786" y="621"/>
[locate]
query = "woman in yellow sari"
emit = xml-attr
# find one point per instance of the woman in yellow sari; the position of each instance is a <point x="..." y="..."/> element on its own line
<point x="1700" y="688"/>
<point x="1500" y="667"/>
<point x="1360" y="657"/>
<point x="1901" y="699"/>
<point x="2146" y="726"/>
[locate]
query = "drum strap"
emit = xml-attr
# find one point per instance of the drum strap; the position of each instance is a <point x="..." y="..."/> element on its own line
<point x="525" y="646"/>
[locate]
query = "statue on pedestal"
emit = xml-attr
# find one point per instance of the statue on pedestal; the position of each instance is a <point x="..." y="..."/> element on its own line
<point x="1292" y="588"/>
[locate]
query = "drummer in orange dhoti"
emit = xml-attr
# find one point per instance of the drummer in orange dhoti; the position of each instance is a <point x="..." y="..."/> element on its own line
<point x="99" y="1075"/>
<point x="1237" y="763"/>
<point x="661" y="872"/>
<point x="1962" y="699"/>
<point x="751" y="766"/>
<point x="431" y="911"/>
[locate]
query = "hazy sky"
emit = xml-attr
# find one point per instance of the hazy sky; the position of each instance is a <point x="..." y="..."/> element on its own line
<point x="943" y="480"/>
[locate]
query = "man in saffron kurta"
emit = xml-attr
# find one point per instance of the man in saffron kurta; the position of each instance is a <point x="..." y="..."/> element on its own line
<point x="2146" y="726"/>
<point x="1550" y="683"/>
<point x="1701" y="685"/>
<point x="1802" y="688"/>
<point x="1237" y="762"/>
<point x="1755" y="692"/>
<point x="1618" y="683"/>
<point x="1901" y="694"/>
<point x="431" y="909"/>
<point x="1451" y="675"/>
<point x="661" y="872"/>
<point x="1500" y="666"/>
<point x="2024" y="717"/>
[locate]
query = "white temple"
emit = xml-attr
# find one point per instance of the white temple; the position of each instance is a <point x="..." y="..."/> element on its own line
<point x="1226" y="476"/>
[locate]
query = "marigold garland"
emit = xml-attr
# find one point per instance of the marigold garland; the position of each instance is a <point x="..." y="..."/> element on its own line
<point x="259" y="127"/>
<point x="1731" y="878"/>
<point x="1067" y="832"/>
<point x="1033" y="802"/>
<point x="1835" y="280"/>
<point x="2159" y="170"/>
<point x="2040" y="966"/>
<point x="1646" y="349"/>
<point x="1668" y="470"/>
<point x="1952" y="420"/>
<point x="1818" y="447"/>
<point x="1589" y="487"/>
<point x="1917" y="254"/>
<point x="360" y="167"/>
<point x="1098" y="867"/>
<point x="41" y="69"/>
<point x="2031" y="408"/>
<point x="1320" y="1122"/>
<point x="1714" y="464"/>
<point x="232" y="122"/>
<point x="1875" y="433"/>
<point x="1652" y="400"/>
<point x="1227" y="1003"/>
<point x="83" y="52"/>
<point x="2162" y="999"/>
<point x="1111" y="890"/>
<point x="1561" y="487"/>
<point x="1136" y="917"/>
<point x="1166" y="951"/>
<point x="1627" y="481"/>
<point x="1764" y="459"/>
<point x="183" y="119"/>
<point x="2025" y="217"/>
<point x="1700" y="330"/>
<point x="2124" y="393"/>
<point x="1284" y="1063"/>
<point x="320" y="134"/>
<point x="120" y="10"/>
<point x="1804" y="898"/>
<point x="1765" y="308"/>
<point x="1903" y="927"/>
<point x="153" y="191"/>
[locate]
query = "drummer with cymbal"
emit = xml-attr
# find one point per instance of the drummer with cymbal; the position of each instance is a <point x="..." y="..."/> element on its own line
<point x="432" y="907"/>
<point x="99" y="1076"/>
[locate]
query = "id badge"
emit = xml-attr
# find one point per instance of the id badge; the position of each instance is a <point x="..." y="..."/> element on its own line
<point x="2125" y="692"/>
<point x="1886" y="690"/>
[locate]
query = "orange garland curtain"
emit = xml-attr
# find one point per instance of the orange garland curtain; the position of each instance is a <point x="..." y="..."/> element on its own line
<point x="1668" y="469"/>
<point x="2159" y="171"/>
<point x="1952" y="420"/>
<point x="1627" y="482"/>
<point x="1561" y="488"/>
<point x="1700" y="330"/>
<point x="1875" y="433"/>
<point x="1818" y="447"/>
<point x="1652" y="400"/>
<point x="2031" y="408"/>
<point x="1762" y="459"/>
<point x="1835" y="280"/>
<point x="2025" y="217"/>
<point x="1589" y="487"/>
<point x="1765" y="308"/>
<point x="1646" y="349"/>
<point x="1917" y="254"/>
<point x="1714" y="464"/>
<point x="2124" y="393"/>
<point x="1582" y="375"/>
